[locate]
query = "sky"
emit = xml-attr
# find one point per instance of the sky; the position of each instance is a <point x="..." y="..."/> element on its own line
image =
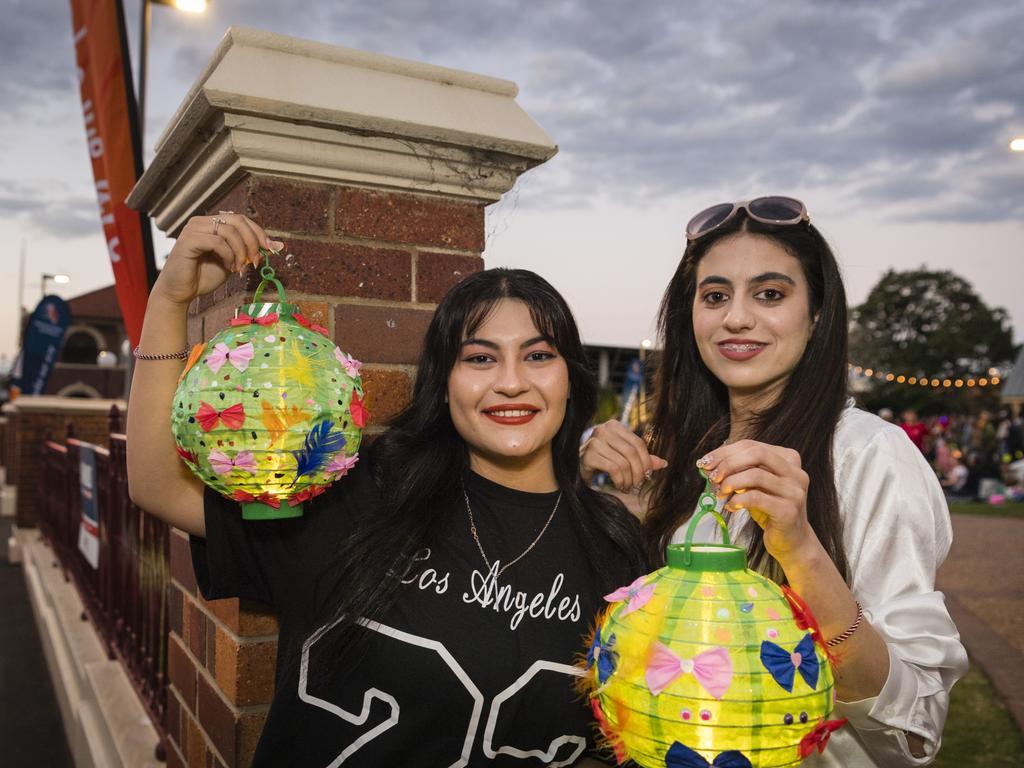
<point x="891" y="120"/>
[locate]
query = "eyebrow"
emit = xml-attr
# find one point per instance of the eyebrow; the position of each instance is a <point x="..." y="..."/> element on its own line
<point x="492" y="345"/>
<point x="764" y="277"/>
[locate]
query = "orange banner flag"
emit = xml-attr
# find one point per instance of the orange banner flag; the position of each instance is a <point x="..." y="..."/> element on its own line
<point x="113" y="138"/>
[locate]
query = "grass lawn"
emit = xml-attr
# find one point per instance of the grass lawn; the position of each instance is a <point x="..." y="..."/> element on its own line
<point x="989" y="510"/>
<point x="980" y="732"/>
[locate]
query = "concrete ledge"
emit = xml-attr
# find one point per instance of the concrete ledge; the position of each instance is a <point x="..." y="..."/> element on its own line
<point x="105" y="722"/>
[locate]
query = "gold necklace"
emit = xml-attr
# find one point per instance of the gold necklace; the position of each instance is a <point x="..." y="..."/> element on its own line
<point x="525" y="552"/>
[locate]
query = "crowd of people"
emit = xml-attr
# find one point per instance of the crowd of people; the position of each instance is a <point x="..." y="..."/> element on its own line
<point x="976" y="457"/>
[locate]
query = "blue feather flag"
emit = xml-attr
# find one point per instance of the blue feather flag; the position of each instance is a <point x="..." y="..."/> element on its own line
<point x="319" y="446"/>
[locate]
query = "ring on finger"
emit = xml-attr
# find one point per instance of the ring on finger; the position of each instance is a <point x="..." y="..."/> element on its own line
<point x="217" y="221"/>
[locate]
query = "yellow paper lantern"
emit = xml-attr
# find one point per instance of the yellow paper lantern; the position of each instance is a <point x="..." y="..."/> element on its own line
<point x="705" y="662"/>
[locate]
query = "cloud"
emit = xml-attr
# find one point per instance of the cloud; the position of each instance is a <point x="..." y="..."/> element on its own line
<point x="892" y="104"/>
<point x="50" y="208"/>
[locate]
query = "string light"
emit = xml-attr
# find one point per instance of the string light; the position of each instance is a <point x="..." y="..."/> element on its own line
<point x="960" y="382"/>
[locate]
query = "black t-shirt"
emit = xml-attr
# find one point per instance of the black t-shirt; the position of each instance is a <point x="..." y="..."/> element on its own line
<point x="464" y="669"/>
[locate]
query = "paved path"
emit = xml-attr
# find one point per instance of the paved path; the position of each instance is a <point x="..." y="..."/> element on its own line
<point x="983" y="579"/>
<point x="31" y="733"/>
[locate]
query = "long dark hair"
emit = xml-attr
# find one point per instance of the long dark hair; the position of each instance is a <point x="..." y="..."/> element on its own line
<point x="418" y="463"/>
<point x="691" y="416"/>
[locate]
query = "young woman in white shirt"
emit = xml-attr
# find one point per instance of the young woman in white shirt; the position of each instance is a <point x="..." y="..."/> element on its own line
<point x="827" y="498"/>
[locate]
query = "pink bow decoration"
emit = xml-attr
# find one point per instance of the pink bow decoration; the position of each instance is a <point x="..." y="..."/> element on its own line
<point x="243" y="461"/>
<point x="245" y="319"/>
<point x="239" y="357"/>
<point x="349" y="363"/>
<point x="636" y="595"/>
<point x="712" y="669"/>
<point x="341" y="464"/>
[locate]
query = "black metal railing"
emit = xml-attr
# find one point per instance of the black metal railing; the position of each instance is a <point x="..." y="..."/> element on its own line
<point x="125" y="596"/>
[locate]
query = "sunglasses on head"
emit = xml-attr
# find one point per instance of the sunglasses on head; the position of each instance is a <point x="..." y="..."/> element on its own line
<point x="767" y="210"/>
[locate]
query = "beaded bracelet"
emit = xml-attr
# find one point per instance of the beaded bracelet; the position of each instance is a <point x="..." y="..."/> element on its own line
<point x="166" y="356"/>
<point x="848" y="633"/>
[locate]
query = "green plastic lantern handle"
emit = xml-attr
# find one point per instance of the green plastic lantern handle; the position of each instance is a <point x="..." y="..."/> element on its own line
<point x="268" y="275"/>
<point x="705" y="506"/>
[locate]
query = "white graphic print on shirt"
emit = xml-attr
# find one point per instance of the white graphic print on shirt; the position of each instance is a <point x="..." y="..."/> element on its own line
<point x="485" y="591"/>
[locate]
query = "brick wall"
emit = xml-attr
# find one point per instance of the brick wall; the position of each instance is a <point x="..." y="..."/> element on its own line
<point x="27" y="427"/>
<point x="369" y="265"/>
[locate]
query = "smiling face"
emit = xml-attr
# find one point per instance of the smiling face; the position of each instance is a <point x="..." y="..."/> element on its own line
<point x="507" y="396"/>
<point x="751" y="315"/>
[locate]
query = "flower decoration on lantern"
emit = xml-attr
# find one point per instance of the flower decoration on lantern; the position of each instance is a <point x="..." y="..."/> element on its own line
<point x="707" y="663"/>
<point x="269" y="412"/>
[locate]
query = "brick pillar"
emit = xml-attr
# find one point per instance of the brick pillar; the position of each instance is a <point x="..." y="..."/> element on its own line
<point x="375" y="172"/>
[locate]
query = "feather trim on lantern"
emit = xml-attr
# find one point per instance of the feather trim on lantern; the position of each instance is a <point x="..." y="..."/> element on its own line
<point x="317" y="449"/>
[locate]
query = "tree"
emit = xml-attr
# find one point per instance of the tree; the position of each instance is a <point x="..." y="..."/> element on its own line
<point x="929" y="324"/>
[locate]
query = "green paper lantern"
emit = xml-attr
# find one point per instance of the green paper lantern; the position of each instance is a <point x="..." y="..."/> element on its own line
<point x="706" y="662"/>
<point x="269" y="412"/>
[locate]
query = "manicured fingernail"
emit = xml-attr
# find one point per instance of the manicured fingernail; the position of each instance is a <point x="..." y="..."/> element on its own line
<point x="704" y="461"/>
<point x="716" y="476"/>
<point x="647" y="474"/>
<point x="277" y="245"/>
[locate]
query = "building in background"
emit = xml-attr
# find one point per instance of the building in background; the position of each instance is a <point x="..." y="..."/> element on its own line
<point x="93" y="358"/>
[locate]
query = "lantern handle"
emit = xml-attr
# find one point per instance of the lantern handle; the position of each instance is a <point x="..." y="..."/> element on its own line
<point x="268" y="275"/>
<point x="705" y="506"/>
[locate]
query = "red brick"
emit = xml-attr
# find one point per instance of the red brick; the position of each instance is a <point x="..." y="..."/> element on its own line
<point x="237" y="287"/>
<point x="437" y="272"/>
<point x="210" y="657"/>
<point x="181" y="561"/>
<point x="245" y="671"/>
<point x="181" y="671"/>
<point x="381" y="334"/>
<point x="174" y="757"/>
<point x="197" y="631"/>
<point x="175" y="606"/>
<point x="195" y="744"/>
<point x="172" y="718"/>
<point x="387" y="392"/>
<point x="413" y="219"/>
<point x="250" y="726"/>
<point x="344" y="269"/>
<point x="237" y="200"/>
<point x="217" y="319"/>
<point x="287" y="206"/>
<point x="194" y="328"/>
<point x="243" y="617"/>
<point x="218" y="720"/>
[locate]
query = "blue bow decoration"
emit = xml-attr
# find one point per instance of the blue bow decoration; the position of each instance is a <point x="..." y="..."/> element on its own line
<point x="681" y="756"/>
<point x="606" y="658"/>
<point x="782" y="664"/>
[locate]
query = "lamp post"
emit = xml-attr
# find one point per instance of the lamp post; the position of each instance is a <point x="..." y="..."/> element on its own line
<point x="189" y="6"/>
<point x="60" y="279"/>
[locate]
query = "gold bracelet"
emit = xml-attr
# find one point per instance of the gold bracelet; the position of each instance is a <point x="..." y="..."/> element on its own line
<point x="166" y="356"/>
<point x="848" y="633"/>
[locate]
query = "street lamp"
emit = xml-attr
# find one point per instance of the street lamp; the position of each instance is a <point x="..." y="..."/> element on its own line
<point x="60" y="279"/>
<point x="189" y="6"/>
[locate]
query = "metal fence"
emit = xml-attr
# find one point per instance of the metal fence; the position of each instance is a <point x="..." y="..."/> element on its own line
<point x="125" y="597"/>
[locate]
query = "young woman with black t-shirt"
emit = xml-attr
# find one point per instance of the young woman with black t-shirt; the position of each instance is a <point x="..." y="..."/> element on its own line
<point x="433" y="602"/>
